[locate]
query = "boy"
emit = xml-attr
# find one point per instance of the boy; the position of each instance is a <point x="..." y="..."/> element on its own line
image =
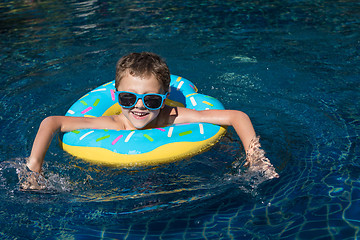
<point x="143" y="73"/>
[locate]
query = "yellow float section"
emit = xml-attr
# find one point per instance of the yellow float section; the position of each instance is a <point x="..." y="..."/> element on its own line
<point x="163" y="154"/>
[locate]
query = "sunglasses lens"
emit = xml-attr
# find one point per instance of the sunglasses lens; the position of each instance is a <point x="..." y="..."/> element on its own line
<point x="153" y="101"/>
<point x="127" y="99"/>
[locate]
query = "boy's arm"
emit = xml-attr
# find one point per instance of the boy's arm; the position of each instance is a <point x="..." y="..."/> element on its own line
<point x="50" y="126"/>
<point x="237" y="119"/>
<point x="255" y="158"/>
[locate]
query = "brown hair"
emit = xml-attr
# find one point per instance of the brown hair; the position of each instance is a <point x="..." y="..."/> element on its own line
<point x="143" y="65"/>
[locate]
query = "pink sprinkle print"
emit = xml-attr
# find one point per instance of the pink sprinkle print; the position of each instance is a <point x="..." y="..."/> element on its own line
<point x="112" y="94"/>
<point x="86" y="110"/>
<point x="116" y="139"/>
<point x="161" y="129"/>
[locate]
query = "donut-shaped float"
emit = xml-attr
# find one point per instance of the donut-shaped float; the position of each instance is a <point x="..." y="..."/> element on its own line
<point x="141" y="147"/>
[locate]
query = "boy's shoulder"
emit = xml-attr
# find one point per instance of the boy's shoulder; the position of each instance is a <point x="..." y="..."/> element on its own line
<point x="115" y="122"/>
<point x="170" y="115"/>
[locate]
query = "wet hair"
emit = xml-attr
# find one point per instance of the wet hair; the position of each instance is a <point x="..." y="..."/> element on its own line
<point x="143" y="65"/>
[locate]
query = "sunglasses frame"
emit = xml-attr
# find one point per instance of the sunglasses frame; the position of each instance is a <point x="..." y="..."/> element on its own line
<point x="142" y="96"/>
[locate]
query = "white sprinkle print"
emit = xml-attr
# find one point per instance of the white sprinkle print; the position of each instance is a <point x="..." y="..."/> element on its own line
<point x="129" y="136"/>
<point x="180" y="85"/>
<point x="170" y="131"/>
<point x="192" y="99"/>
<point x="86" y="134"/>
<point x="99" y="90"/>
<point x="201" y="128"/>
<point x="71" y="112"/>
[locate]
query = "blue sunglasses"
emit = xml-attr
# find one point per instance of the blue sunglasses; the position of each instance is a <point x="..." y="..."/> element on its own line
<point x="151" y="101"/>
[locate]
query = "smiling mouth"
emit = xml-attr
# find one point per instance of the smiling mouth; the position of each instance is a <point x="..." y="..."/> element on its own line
<point x="140" y="114"/>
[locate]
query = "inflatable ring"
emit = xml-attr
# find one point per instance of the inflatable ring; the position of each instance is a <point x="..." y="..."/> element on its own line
<point x="141" y="147"/>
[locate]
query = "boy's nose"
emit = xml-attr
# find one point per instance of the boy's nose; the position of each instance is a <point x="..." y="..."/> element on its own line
<point x="140" y="104"/>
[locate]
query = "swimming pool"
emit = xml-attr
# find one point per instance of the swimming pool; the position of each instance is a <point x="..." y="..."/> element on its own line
<point x="293" y="66"/>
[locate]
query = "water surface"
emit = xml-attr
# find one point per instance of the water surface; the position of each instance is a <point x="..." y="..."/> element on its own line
<point x="292" y="66"/>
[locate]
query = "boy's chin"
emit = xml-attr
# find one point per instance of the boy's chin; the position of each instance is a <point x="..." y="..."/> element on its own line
<point x="142" y="122"/>
<point x="140" y="125"/>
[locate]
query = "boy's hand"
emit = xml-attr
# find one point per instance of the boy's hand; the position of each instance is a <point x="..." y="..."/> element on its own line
<point x="30" y="180"/>
<point x="257" y="162"/>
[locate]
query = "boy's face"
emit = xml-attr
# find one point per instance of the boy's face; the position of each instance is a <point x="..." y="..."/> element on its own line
<point x="139" y="116"/>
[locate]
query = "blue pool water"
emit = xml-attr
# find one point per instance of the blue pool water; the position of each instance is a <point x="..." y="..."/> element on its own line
<point x="292" y="65"/>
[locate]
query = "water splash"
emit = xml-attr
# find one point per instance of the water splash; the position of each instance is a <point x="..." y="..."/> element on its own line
<point x="250" y="172"/>
<point x="257" y="162"/>
<point x="14" y="175"/>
